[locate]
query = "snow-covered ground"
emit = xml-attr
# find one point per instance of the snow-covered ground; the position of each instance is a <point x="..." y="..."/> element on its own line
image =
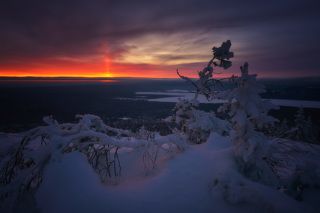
<point x="203" y="178"/>
<point x="185" y="184"/>
<point x="174" y="96"/>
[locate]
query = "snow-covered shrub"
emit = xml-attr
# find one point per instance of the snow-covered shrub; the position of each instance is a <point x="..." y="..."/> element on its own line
<point x="150" y="150"/>
<point x="145" y="134"/>
<point x="150" y="156"/>
<point x="21" y="171"/>
<point x="103" y="158"/>
<point x="155" y="145"/>
<point x="208" y="121"/>
<point x="183" y="115"/>
<point x="196" y="124"/>
<point x="183" y="112"/>
<point x="203" y="123"/>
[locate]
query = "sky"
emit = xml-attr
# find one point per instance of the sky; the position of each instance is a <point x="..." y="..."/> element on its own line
<point x="133" y="38"/>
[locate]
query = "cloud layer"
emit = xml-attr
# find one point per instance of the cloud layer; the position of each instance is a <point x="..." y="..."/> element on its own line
<point x="278" y="38"/>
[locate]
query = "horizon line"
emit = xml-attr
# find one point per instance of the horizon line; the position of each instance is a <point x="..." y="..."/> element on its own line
<point x="129" y="77"/>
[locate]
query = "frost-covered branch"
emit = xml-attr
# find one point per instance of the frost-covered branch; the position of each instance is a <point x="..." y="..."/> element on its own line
<point x="206" y="84"/>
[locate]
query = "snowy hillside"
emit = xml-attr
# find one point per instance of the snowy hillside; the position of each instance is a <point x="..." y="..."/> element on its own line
<point x="237" y="158"/>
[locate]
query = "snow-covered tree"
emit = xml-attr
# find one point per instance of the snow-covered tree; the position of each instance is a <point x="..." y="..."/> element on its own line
<point x="197" y="124"/>
<point x="282" y="128"/>
<point x="206" y="84"/>
<point x="303" y="129"/>
<point x="249" y="113"/>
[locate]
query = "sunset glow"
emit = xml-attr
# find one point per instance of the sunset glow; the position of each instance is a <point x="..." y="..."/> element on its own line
<point x="120" y="41"/>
